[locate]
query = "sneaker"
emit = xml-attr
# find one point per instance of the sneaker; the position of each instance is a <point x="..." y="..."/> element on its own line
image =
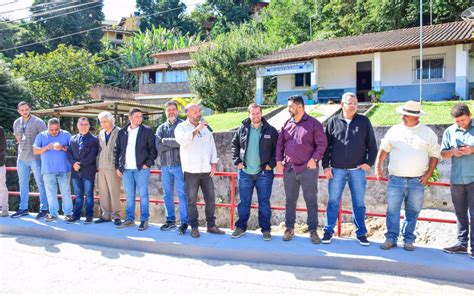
<point x="289" y="233"/>
<point x="168" y="225"/>
<point x="71" y="219"/>
<point x="143" y="225"/>
<point x="20" y="213"/>
<point x="88" y="220"/>
<point x="472" y="254"/>
<point x="182" y="228"/>
<point x="102" y="220"/>
<point x="313" y="235"/>
<point x="327" y="238"/>
<point x="214" y="229"/>
<point x="457" y="249"/>
<point x="126" y="223"/>
<point x="117" y="222"/>
<point x="388" y="245"/>
<point x="363" y="241"/>
<point x="195" y="232"/>
<point x="408" y="247"/>
<point x="42" y="214"/>
<point x="238" y="232"/>
<point x="50" y="218"/>
<point x="267" y="236"/>
<point x="4" y="213"/>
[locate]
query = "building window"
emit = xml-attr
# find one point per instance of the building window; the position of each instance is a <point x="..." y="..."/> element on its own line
<point x="302" y="79"/>
<point x="433" y="68"/>
<point x="119" y="36"/>
<point x="176" y="76"/>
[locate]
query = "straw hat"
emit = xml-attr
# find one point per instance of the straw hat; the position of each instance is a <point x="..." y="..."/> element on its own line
<point x="411" y="108"/>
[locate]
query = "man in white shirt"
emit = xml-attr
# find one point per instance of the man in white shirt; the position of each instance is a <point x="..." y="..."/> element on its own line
<point x="414" y="154"/>
<point x="134" y="155"/>
<point x="199" y="163"/>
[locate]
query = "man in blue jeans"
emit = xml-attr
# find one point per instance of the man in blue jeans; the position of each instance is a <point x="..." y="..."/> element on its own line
<point x="135" y="153"/>
<point x="171" y="171"/>
<point x="414" y="153"/>
<point x="350" y="154"/>
<point x="253" y="151"/>
<point x="52" y="145"/>
<point x="26" y="128"/>
<point x="82" y="154"/>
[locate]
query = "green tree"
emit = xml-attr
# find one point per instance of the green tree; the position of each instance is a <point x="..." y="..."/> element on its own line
<point x="88" y="15"/>
<point x="169" y="14"/>
<point x="17" y="34"/>
<point x="218" y="79"/>
<point x="12" y="91"/>
<point x="60" y="77"/>
<point x="226" y="13"/>
<point x="136" y="52"/>
<point x="287" y="22"/>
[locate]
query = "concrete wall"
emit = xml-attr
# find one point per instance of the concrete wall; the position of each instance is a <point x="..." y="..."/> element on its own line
<point x="165" y="88"/>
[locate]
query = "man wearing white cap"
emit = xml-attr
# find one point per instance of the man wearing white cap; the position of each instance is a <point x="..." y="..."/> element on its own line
<point x="414" y="153"/>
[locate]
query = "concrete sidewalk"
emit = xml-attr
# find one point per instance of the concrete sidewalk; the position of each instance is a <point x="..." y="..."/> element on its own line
<point x="344" y="254"/>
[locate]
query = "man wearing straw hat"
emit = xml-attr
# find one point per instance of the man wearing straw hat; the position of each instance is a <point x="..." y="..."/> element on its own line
<point x="414" y="152"/>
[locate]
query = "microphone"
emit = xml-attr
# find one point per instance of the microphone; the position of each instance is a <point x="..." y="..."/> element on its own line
<point x="208" y="127"/>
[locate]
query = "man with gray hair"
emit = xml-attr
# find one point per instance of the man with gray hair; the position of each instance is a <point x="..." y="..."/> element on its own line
<point x="107" y="179"/>
<point x="53" y="145"/>
<point x="350" y="154"/>
<point x="199" y="162"/>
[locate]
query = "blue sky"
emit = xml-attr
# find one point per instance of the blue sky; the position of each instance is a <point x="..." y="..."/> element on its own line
<point x="113" y="9"/>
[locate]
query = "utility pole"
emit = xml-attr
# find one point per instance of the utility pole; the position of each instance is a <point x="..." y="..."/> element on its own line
<point x="421" y="49"/>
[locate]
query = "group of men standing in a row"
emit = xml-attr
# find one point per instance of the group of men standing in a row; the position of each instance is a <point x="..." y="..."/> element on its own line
<point x="188" y="158"/>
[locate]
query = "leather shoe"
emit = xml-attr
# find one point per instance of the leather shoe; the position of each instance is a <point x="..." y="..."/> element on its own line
<point x="214" y="229"/>
<point x="195" y="232"/>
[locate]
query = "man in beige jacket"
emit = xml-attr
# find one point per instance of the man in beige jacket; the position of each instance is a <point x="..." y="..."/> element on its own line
<point x="108" y="181"/>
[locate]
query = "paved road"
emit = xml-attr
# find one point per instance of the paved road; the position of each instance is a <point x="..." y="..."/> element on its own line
<point x="39" y="266"/>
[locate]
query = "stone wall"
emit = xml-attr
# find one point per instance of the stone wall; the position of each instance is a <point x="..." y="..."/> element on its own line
<point x="435" y="198"/>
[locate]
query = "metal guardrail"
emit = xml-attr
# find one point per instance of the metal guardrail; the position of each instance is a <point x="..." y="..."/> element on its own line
<point x="232" y="205"/>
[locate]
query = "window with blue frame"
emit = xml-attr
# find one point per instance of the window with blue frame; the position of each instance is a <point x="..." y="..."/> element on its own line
<point x="302" y="79"/>
<point x="433" y="68"/>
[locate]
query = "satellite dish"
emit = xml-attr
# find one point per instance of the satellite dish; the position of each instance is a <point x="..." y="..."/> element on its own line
<point x="468" y="14"/>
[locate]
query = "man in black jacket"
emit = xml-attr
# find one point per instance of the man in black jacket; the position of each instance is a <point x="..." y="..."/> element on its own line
<point x="3" y="175"/>
<point x="253" y="152"/>
<point x="82" y="155"/>
<point x="350" y="154"/>
<point x="135" y="153"/>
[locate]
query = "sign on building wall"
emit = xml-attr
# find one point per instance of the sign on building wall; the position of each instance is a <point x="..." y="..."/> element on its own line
<point x="287" y="68"/>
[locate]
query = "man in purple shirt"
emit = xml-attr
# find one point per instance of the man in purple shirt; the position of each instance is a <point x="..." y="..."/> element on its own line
<point x="301" y="144"/>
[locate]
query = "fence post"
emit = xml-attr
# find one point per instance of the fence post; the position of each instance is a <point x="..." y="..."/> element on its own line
<point x="339" y="218"/>
<point x="232" y="201"/>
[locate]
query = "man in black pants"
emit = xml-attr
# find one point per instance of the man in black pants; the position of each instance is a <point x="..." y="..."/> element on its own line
<point x="458" y="145"/>
<point x="199" y="162"/>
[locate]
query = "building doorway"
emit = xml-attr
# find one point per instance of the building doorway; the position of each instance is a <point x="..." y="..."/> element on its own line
<point x="364" y="80"/>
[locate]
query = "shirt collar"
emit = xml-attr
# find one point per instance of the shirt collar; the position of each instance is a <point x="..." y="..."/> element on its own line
<point x="457" y="128"/>
<point x="304" y="118"/>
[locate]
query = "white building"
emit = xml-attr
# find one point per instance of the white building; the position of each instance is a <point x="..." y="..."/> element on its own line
<point x="386" y="60"/>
